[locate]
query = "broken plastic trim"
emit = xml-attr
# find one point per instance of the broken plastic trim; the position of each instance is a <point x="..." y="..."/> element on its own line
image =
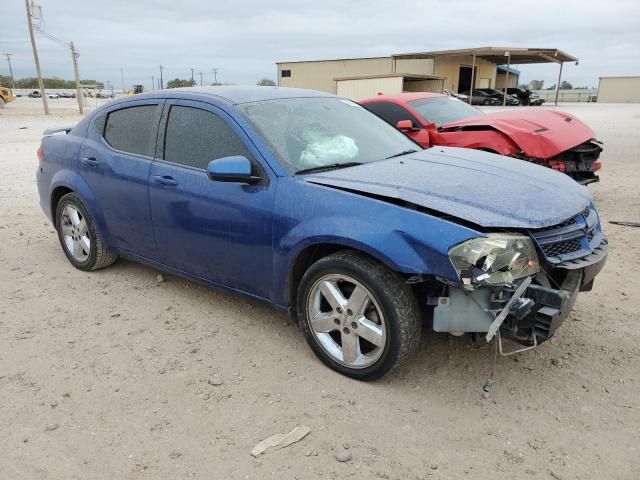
<point x="495" y="326"/>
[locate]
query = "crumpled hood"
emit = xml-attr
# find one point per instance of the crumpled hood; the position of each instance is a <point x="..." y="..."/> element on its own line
<point x="539" y="133"/>
<point x="483" y="188"/>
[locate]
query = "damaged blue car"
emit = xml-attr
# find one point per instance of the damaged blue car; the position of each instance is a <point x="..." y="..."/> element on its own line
<point x="313" y="204"/>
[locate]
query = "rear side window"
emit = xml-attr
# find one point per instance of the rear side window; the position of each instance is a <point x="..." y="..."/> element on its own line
<point x="194" y="137"/>
<point x="391" y="113"/>
<point x="130" y="129"/>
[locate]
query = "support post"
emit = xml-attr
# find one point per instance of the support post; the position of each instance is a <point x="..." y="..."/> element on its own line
<point x="161" y="82"/>
<point x="153" y="83"/>
<point x="558" y="84"/>
<point x="473" y="78"/>
<point x="45" y="104"/>
<point x="122" y="78"/>
<point x="506" y="80"/>
<point x="76" y="73"/>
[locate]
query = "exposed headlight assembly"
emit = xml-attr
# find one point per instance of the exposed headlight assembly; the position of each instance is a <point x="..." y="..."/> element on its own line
<point x="497" y="259"/>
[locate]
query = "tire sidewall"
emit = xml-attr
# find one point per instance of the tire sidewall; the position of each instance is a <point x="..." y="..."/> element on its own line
<point x="73" y="200"/>
<point x="376" y="287"/>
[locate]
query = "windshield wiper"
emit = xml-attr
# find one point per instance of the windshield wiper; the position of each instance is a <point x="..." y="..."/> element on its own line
<point x="406" y="152"/>
<point x="324" y="168"/>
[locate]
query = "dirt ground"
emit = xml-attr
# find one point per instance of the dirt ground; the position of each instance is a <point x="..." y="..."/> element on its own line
<point x="114" y="374"/>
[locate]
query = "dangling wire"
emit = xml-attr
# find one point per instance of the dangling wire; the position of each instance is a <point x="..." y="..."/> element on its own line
<point x="489" y="384"/>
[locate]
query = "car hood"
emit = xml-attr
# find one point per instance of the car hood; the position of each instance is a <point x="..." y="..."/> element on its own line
<point x="482" y="188"/>
<point x="539" y="133"/>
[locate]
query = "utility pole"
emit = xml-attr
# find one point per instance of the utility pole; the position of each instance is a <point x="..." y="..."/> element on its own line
<point x="161" y="82"/>
<point x="45" y="104"/>
<point x="192" y="80"/>
<point x="215" y="76"/>
<point x="200" y="73"/>
<point x="153" y="83"/>
<point x="76" y="73"/>
<point x="13" y="82"/>
<point x="122" y="77"/>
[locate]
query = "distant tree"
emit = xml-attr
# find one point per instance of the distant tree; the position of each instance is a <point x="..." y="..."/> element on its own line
<point x="566" y="85"/>
<point x="5" y="81"/>
<point x="179" y="82"/>
<point x="265" y="82"/>
<point x="552" y="87"/>
<point x="536" y="84"/>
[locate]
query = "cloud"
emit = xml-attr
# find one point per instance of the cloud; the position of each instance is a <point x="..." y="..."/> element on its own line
<point x="243" y="40"/>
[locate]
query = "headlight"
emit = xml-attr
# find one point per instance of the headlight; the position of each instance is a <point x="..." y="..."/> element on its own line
<point x="497" y="259"/>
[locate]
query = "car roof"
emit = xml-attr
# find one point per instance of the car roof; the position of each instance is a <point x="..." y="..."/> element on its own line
<point x="234" y="94"/>
<point x="403" y="97"/>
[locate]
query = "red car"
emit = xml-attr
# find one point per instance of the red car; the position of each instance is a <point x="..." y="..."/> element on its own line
<point x="554" y="139"/>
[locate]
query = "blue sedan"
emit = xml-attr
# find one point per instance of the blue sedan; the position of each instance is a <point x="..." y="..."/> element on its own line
<point x="313" y="204"/>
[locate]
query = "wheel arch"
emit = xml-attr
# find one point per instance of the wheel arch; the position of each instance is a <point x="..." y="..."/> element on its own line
<point x="68" y="181"/>
<point x="313" y="252"/>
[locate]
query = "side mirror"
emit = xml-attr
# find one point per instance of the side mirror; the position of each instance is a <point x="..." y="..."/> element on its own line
<point x="236" y="169"/>
<point x="406" y="126"/>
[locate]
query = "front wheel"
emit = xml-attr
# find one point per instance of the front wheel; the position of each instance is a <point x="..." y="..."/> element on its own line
<point x="358" y="317"/>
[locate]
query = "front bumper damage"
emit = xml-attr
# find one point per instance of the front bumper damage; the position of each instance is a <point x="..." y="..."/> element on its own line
<point x="528" y="312"/>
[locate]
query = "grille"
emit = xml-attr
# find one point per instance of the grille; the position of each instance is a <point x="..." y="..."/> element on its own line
<point x="590" y="234"/>
<point x="562" y="248"/>
<point x="566" y="223"/>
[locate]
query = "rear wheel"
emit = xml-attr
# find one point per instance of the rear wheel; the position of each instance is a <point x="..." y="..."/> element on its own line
<point x="486" y="102"/>
<point x="358" y="317"/>
<point x="80" y="241"/>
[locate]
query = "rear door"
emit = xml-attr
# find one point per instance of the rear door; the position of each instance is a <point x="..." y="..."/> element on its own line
<point x="115" y="160"/>
<point x="216" y="230"/>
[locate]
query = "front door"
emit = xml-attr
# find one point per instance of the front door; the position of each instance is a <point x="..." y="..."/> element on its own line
<point x="216" y="230"/>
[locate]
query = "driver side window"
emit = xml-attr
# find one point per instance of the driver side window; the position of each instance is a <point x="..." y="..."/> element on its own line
<point x="194" y="137"/>
<point x="392" y="113"/>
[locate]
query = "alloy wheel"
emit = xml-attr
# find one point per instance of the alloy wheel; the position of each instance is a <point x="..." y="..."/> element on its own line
<point x="346" y="321"/>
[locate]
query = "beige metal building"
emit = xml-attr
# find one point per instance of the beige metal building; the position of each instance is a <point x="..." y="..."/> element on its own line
<point x="456" y="70"/>
<point x="619" y="90"/>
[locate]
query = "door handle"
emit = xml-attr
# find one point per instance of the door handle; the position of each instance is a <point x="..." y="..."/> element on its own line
<point x="165" y="180"/>
<point x="89" y="161"/>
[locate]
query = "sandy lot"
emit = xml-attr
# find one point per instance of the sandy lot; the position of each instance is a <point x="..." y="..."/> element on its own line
<point x="110" y="374"/>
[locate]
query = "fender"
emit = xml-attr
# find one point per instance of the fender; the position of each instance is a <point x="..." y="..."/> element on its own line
<point x="481" y="139"/>
<point x="406" y="240"/>
<point x="74" y="181"/>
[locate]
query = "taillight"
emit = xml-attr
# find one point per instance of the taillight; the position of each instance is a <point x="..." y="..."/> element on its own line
<point x="40" y="155"/>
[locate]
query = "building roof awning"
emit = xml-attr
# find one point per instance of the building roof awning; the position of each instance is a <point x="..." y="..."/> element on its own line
<point x="497" y="55"/>
<point x="407" y="76"/>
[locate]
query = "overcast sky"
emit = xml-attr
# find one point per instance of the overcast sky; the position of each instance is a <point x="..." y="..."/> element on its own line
<point x="244" y="39"/>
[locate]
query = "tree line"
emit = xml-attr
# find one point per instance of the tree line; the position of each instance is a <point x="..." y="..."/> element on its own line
<point x="49" y="82"/>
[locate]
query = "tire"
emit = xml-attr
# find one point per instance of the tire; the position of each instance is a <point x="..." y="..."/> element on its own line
<point x="80" y="240"/>
<point x="486" y="102"/>
<point x="385" y="322"/>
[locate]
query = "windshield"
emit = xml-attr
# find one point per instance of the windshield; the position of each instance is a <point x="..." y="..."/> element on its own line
<point x="441" y="110"/>
<point x="314" y="133"/>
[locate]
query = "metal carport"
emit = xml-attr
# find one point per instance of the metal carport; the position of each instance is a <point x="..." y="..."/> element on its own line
<point x="498" y="55"/>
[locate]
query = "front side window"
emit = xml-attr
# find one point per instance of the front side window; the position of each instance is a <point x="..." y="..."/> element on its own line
<point x="130" y="129"/>
<point x="392" y="113"/>
<point x="194" y="137"/>
<point x="441" y="110"/>
<point x="311" y="133"/>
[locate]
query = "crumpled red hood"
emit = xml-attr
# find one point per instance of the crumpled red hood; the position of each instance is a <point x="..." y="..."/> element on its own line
<point x="539" y="133"/>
